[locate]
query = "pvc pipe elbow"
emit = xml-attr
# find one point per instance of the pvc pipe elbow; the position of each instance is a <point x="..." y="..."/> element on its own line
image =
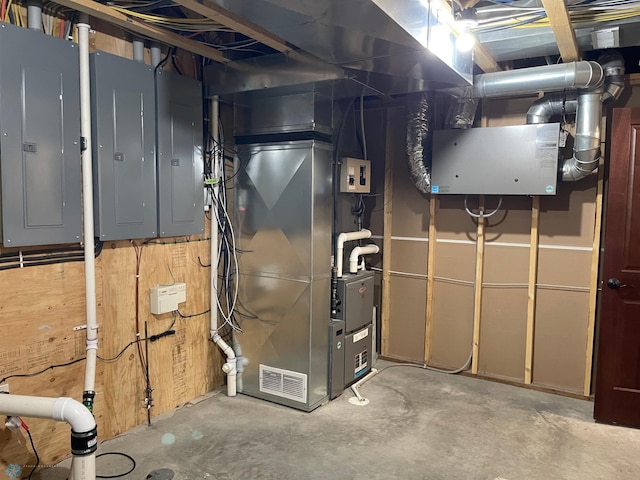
<point x="74" y="413"/>
<point x="356" y="252"/>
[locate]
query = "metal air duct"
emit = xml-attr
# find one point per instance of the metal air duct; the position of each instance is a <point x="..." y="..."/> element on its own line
<point x="548" y="78"/>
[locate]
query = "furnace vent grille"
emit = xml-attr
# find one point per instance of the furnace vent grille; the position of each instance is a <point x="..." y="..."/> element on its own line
<point x="283" y="383"/>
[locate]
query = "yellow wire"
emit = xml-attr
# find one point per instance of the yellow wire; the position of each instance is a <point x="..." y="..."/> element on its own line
<point x="7" y="10"/>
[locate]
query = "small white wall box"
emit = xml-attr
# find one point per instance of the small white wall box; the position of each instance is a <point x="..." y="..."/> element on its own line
<point x="355" y="175"/>
<point x="165" y="298"/>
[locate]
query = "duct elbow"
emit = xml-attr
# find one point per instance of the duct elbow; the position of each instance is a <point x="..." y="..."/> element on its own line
<point x="613" y="65"/>
<point x="553" y="104"/>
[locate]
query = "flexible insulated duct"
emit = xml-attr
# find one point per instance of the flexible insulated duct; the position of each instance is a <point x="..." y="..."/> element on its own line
<point x="419" y="139"/>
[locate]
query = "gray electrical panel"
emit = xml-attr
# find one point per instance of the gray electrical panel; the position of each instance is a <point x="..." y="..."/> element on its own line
<point x="40" y="139"/>
<point x="179" y="153"/>
<point x="512" y="160"/>
<point x="123" y="126"/>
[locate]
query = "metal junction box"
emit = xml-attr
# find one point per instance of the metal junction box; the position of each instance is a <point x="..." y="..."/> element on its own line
<point x="179" y="154"/>
<point x="40" y="139"/>
<point x="123" y="127"/>
<point x="512" y="160"/>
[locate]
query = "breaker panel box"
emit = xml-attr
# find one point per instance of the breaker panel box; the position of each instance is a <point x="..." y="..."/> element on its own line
<point x="40" y="139"/>
<point x="123" y="126"/>
<point x="511" y="160"/>
<point x="179" y="155"/>
<point x="355" y="175"/>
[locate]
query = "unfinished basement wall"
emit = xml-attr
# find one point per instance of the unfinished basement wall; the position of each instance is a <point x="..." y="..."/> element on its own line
<point x="42" y="309"/>
<point x="533" y="318"/>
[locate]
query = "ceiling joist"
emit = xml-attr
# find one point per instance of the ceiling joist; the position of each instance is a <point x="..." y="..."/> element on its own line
<point x="484" y="60"/>
<point x="224" y="17"/>
<point x="561" y="25"/>
<point x="108" y="14"/>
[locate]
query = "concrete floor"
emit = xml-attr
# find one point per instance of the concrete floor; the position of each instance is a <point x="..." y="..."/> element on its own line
<point x="418" y="425"/>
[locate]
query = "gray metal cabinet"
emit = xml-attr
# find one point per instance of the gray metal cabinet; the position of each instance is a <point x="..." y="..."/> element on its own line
<point x="123" y="129"/>
<point x="180" y="155"/>
<point x="40" y="139"/>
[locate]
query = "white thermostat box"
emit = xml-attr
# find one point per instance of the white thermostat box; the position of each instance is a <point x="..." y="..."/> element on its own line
<point x="165" y="298"/>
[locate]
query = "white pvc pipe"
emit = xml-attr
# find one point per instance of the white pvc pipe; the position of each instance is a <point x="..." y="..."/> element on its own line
<point x="356" y="252"/>
<point x="138" y="50"/>
<point x="34" y="15"/>
<point x="230" y="366"/>
<point x="87" y="216"/>
<point x="63" y="410"/>
<point x="347" y="237"/>
<point x="156" y="54"/>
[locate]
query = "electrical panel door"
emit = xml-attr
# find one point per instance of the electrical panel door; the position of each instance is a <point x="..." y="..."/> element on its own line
<point x="123" y="126"/>
<point x="179" y="153"/>
<point x="40" y="139"/>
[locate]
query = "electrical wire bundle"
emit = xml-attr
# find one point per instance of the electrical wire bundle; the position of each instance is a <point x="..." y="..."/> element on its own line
<point x="531" y="14"/>
<point x="226" y="289"/>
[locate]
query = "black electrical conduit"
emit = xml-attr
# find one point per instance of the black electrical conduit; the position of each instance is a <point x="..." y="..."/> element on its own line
<point x="334" y="185"/>
<point x="44" y="257"/>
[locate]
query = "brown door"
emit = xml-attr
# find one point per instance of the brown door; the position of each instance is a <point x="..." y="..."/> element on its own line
<point x="618" y="373"/>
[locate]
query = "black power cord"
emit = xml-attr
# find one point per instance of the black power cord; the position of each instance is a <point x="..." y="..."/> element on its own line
<point x="35" y="465"/>
<point x="120" y="454"/>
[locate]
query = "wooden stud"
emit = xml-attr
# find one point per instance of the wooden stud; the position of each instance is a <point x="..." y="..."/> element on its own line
<point x="594" y="281"/>
<point x="477" y="304"/>
<point x="563" y="31"/>
<point x="109" y="14"/>
<point x="386" y="241"/>
<point x="431" y="260"/>
<point x="533" y="280"/>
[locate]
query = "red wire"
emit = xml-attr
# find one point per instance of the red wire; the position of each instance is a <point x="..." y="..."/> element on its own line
<point x="3" y="12"/>
<point x="24" y="425"/>
<point x="62" y="28"/>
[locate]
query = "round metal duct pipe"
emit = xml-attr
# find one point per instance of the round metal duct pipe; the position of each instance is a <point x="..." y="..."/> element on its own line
<point x="548" y="78"/>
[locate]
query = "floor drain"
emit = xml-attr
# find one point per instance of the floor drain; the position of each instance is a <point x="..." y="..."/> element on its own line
<point x="161" y="474"/>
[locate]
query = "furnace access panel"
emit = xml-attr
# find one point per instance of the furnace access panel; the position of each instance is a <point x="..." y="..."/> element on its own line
<point x="123" y="126"/>
<point x="40" y="139"/>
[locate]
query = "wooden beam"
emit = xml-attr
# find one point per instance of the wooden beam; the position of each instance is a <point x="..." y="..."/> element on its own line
<point x="477" y="304"/>
<point x="533" y="280"/>
<point x="594" y="281"/>
<point x="386" y="239"/>
<point x="109" y="14"/>
<point x="469" y="3"/>
<point x="563" y="31"/>
<point x="484" y="60"/>
<point x="224" y="17"/>
<point x="431" y="260"/>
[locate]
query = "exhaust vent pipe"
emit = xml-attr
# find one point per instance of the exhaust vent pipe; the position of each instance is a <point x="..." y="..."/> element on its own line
<point x="549" y="78"/>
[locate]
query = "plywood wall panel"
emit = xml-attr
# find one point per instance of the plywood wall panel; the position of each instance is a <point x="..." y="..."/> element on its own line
<point x="560" y="339"/>
<point x="407" y="318"/>
<point x="39" y="308"/>
<point x="568" y="217"/>
<point x="409" y="256"/>
<point x="503" y="333"/>
<point x="512" y="222"/>
<point x="452" y="328"/>
<point x="571" y="268"/>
